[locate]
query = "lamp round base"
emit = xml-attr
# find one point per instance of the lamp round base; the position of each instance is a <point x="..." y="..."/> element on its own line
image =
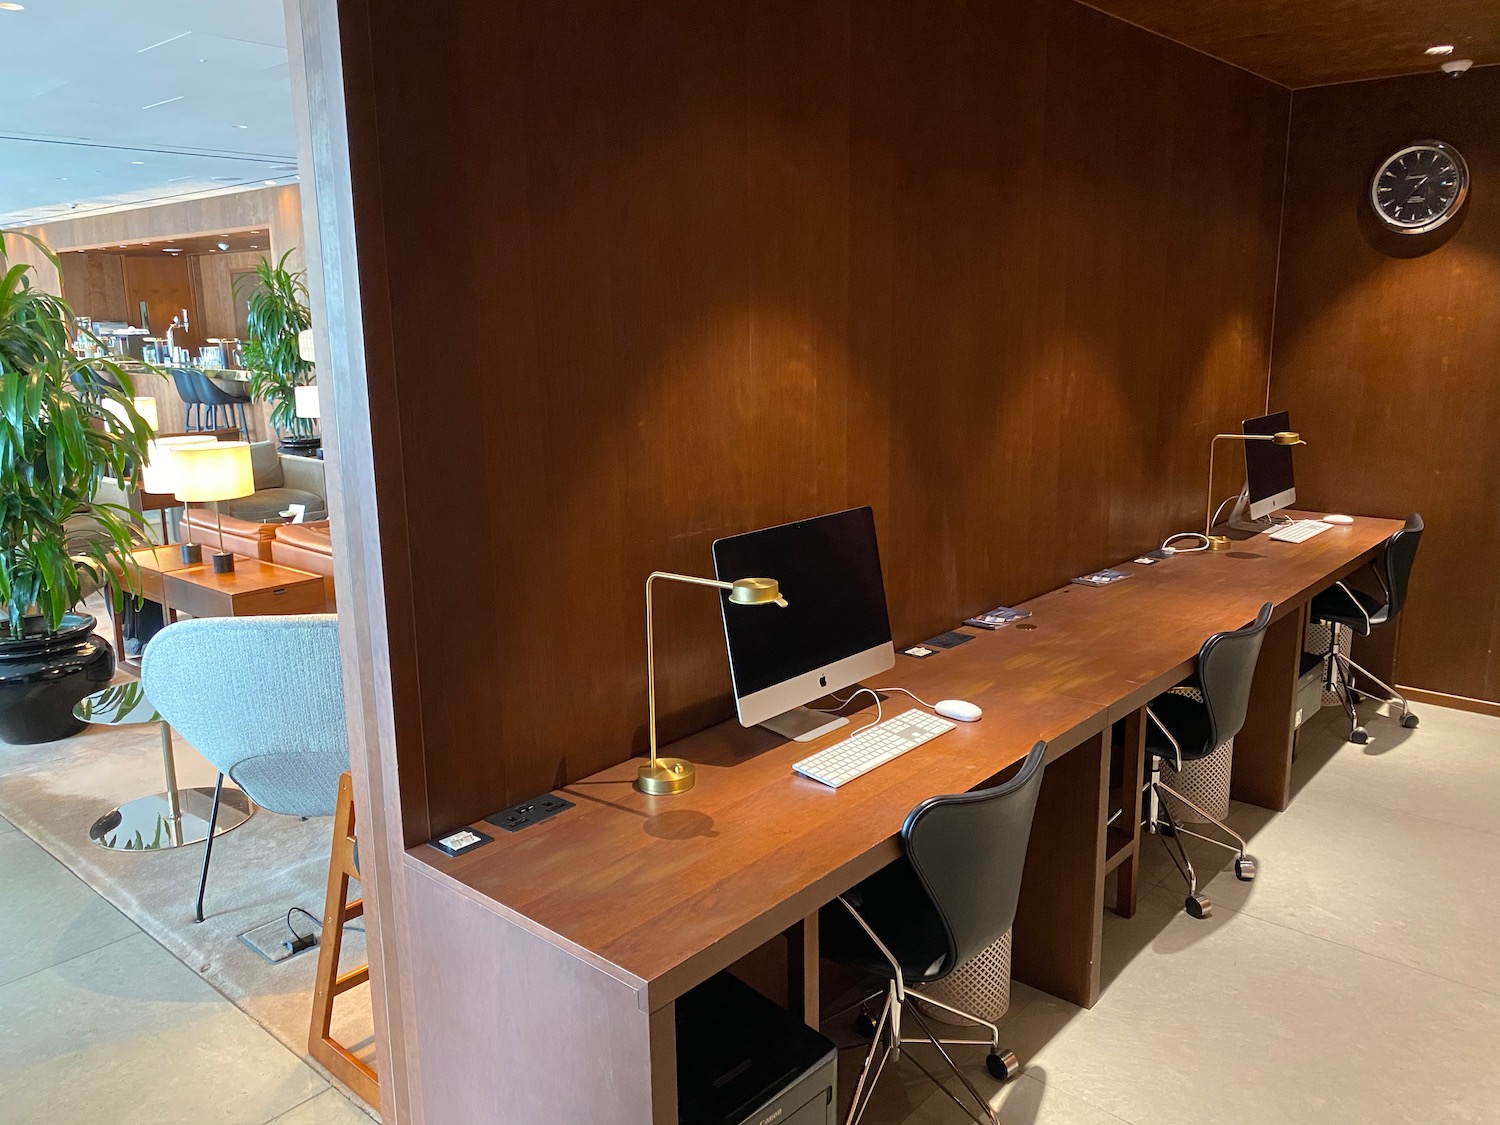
<point x="192" y="553"/>
<point x="1218" y="542"/>
<point x="668" y="775"/>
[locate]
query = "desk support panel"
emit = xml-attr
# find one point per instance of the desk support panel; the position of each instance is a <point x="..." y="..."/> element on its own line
<point x="1059" y="925"/>
<point x="1262" y="771"/>
<point x="514" y="1030"/>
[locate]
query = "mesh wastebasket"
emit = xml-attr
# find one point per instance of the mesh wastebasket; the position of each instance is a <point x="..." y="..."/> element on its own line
<point x="1204" y="781"/>
<point x="980" y="986"/>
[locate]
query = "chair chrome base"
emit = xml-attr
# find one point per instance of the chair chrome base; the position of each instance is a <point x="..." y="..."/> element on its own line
<point x="886" y="1040"/>
<point x="1164" y="826"/>
<point x="1341" y="677"/>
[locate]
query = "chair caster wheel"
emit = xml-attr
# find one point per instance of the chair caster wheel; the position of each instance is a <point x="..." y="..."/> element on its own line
<point x="1003" y="1067"/>
<point x="1410" y="721"/>
<point x="1359" y="736"/>
<point x="864" y="1025"/>
<point x="1244" y="868"/>
<point x="1198" y="906"/>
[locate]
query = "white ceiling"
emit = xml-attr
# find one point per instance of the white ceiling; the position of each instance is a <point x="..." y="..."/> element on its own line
<point x="91" y="87"/>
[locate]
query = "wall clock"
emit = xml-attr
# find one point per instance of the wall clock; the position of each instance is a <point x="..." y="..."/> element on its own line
<point x="1420" y="187"/>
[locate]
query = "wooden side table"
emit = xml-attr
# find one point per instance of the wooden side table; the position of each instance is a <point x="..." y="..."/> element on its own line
<point x="251" y="589"/>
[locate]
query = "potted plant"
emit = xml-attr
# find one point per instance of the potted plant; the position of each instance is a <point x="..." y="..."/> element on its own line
<point x="277" y="313"/>
<point x="58" y="543"/>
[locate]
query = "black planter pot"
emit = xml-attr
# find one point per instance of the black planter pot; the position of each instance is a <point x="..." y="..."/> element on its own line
<point x="302" y="446"/>
<point x="41" y="678"/>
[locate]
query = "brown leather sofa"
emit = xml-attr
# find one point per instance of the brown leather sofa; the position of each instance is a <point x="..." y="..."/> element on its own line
<point x="241" y="537"/>
<point x="308" y="547"/>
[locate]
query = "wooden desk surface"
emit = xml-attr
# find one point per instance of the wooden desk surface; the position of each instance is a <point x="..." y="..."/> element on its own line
<point x="660" y="892"/>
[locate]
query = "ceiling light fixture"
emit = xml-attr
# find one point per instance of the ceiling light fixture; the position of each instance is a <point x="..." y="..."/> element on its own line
<point x="137" y="162"/>
<point x="223" y="246"/>
<point x="1456" y="67"/>
<point x="171" y="250"/>
<point x="9" y="7"/>
<point x="239" y="126"/>
<point x="165" y="101"/>
<point x="255" y="232"/>
<point x="1441" y="49"/>
<point x="269" y="183"/>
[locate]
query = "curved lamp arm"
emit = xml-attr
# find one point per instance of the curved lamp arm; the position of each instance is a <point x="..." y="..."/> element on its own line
<point x="673" y="775"/>
<point x="1282" y="437"/>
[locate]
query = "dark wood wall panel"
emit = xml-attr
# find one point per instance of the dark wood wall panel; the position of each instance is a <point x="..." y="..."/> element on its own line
<point x="664" y="272"/>
<point x="1389" y="361"/>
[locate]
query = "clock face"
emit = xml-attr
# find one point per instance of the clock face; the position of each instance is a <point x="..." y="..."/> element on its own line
<point x="1420" y="187"/>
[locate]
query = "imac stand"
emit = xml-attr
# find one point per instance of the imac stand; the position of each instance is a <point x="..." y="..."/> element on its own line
<point x="801" y="724"/>
<point x="1239" y="515"/>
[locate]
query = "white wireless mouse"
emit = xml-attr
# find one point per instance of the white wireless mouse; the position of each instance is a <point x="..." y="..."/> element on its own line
<point x="1338" y="519"/>
<point x="958" y="710"/>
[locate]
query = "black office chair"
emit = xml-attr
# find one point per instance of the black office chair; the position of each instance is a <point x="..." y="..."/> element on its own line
<point x="1181" y="729"/>
<point x="951" y="895"/>
<point x="1342" y="608"/>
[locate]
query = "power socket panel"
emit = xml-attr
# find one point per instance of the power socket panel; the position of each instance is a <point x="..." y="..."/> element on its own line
<point x="529" y="812"/>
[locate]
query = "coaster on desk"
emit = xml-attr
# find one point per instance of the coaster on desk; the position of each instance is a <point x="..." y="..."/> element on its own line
<point x="949" y="639"/>
<point x="918" y="651"/>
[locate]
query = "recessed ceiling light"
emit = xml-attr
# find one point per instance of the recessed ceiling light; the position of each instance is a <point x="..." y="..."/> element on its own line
<point x="239" y="126"/>
<point x="255" y="246"/>
<point x="171" y="250"/>
<point x="269" y="183"/>
<point x="137" y="162"/>
<point x="10" y="7"/>
<point x="255" y="232"/>
<point x="165" y="101"/>
<point x="1441" y="49"/>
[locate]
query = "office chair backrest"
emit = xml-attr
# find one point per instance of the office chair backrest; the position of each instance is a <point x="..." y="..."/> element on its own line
<point x="969" y="849"/>
<point x="1226" y="665"/>
<point x="1400" y="553"/>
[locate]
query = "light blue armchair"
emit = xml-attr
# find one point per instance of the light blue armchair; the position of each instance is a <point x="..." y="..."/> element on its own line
<point x="262" y="698"/>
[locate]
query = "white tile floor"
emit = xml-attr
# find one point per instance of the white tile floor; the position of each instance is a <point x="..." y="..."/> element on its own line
<point x="1357" y="980"/>
<point x="100" y="1023"/>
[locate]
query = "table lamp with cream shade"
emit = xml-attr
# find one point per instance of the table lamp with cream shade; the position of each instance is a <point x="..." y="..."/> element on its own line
<point x="213" y="473"/>
<point x="144" y="405"/>
<point x="306" y="401"/>
<point x="160" y="474"/>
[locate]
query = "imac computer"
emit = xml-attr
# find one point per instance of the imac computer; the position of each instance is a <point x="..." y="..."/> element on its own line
<point x="833" y="632"/>
<point x="1269" y="483"/>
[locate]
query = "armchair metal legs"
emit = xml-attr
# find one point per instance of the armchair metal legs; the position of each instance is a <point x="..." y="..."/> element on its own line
<point x="1165" y="826"/>
<point x="208" y="848"/>
<point x="887" y="1040"/>
<point x="1341" y="676"/>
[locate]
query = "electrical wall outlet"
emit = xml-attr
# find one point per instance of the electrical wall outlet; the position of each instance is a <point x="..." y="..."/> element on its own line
<point x="529" y="812"/>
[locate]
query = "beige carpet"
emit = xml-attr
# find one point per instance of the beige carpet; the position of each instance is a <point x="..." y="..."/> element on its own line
<point x="54" y="792"/>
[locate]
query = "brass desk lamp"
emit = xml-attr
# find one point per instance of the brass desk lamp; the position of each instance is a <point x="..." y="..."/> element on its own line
<point x="674" y="775"/>
<point x="1281" y="437"/>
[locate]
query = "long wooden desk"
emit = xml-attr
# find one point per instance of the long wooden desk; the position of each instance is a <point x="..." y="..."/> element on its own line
<point x="546" y="963"/>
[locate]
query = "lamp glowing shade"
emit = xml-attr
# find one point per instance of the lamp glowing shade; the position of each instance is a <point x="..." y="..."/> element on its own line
<point x="160" y="472"/>
<point x="306" y="401"/>
<point x="218" y="470"/>
<point x="145" y="406"/>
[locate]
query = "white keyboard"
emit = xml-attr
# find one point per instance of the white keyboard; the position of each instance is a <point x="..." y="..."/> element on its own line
<point x="872" y="746"/>
<point x="1299" y="531"/>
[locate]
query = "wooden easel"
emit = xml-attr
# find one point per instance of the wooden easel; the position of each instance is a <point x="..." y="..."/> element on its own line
<point x="329" y="985"/>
